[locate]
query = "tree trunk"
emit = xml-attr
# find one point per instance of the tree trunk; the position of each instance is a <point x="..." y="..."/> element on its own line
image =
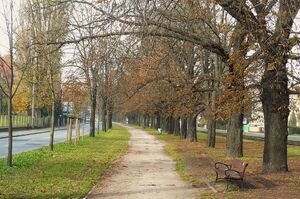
<point x="152" y="121"/>
<point x="177" y="126"/>
<point x="211" y="132"/>
<point x="139" y="120"/>
<point x="183" y="128"/>
<point x="110" y="119"/>
<point x="104" y="115"/>
<point x="10" y="134"/>
<point x="234" y="140"/>
<point x="70" y="131"/>
<point x="191" y="129"/>
<point x="144" y="121"/>
<point x="169" y="125"/>
<point x="104" y="127"/>
<point x="158" y="121"/>
<point x="163" y="122"/>
<point x="77" y="127"/>
<point x="51" y="144"/>
<point x="93" y="113"/>
<point x="1" y="105"/>
<point x="211" y="125"/>
<point x="32" y="105"/>
<point x="83" y="125"/>
<point x="166" y="124"/>
<point x="99" y="120"/>
<point x="275" y="100"/>
<point x="210" y="104"/>
<point x="172" y="125"/>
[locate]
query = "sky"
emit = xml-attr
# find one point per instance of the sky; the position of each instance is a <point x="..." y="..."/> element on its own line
<point x="4" y="9"/>
<point x="4" y="45"/>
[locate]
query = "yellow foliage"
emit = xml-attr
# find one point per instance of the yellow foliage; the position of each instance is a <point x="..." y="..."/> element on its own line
<point x="21" y="101"/>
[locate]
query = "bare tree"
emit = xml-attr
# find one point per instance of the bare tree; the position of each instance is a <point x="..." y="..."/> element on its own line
<point x="10" y="68"/>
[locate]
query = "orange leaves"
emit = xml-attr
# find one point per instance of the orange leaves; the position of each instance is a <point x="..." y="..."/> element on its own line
<point x="75" y="91"/>
<point x="271" y="66"/>
<point x="233" y="100"/>
<point x="157" y="82"/>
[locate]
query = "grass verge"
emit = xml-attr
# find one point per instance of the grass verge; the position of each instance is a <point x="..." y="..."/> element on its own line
<point x="68" y="172"/>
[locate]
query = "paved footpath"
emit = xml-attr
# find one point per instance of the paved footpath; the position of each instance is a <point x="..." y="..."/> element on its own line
<point x="144" y="172"/>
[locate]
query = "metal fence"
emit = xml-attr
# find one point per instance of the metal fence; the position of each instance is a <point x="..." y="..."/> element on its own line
<point x="24" y="121"/>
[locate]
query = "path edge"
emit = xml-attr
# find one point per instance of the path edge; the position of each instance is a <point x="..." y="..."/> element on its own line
<point x="111" y="167"/>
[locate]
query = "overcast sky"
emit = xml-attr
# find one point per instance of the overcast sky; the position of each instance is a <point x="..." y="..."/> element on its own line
<point x="4" y="9"/>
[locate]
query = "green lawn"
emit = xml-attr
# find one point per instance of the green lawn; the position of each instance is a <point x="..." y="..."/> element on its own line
<point x="68" y="172"/>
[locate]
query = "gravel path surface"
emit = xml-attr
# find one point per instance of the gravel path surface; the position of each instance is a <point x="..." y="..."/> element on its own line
<point x="145" y="171"/>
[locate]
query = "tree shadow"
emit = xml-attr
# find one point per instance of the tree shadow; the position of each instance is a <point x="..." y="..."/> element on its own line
<point x="256" y="183"/>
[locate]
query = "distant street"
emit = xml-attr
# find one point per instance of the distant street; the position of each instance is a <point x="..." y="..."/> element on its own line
<point x="37" y="139"/>
<point x="253" y="134"/>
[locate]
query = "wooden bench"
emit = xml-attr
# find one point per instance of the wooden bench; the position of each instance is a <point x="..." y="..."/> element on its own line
<point x="235" y="170"/>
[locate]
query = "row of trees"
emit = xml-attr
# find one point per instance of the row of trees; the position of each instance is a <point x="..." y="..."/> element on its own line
<point x="94" y="61"/>
<point x="211" y="57"/>
<point x="32" y="72"/>
<point x="36" y="75"/>
<point x="171" y="61"/>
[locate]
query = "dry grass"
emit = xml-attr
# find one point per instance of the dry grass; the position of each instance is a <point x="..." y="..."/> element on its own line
<point x="197" y="160"/>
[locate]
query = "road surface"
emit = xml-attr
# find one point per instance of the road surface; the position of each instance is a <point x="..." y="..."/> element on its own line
<point x="38" y="138"/>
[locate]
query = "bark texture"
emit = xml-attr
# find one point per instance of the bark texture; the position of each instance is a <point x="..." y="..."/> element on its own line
<point x="234" y="140"/>
<point x="172" y="125"/>
<point x="51" y="143"/>
<point x="177" y="126"/>
<point x="211" y="132"/>
<point x="183" y="128"/>
<point x="191" y="129"/>
<point x="109" y="119"/>
<point x="10" y="134"/>
<point x="152" y="122"/>
<point x="275" y="100"/>
<point x="93" y="114"/>
<point x="104" y="116"/>
<point x="77" y="127"/>
<point x="158" y="121"/>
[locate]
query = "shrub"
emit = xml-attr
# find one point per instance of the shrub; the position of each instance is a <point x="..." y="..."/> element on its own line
<point x="294" y="130"/>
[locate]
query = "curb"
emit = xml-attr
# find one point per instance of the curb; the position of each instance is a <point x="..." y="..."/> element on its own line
<point x="26" y="134"/>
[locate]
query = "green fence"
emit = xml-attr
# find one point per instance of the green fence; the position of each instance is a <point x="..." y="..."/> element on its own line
<point x="24" y="121"/>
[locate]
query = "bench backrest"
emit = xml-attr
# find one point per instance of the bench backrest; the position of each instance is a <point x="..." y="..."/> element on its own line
<point x="239" y="165"/>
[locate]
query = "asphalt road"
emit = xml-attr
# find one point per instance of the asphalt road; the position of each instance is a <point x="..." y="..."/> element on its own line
<point x="253" y="134"/>
<point x="34" y="141"/>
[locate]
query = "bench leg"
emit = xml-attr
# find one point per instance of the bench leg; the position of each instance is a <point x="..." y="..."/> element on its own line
<point x="227" y="184"/>
<point x="242" y="180"/>
<point x="217" y="177"/>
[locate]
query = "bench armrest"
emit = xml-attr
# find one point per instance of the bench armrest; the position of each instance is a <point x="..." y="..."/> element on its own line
<point x="221" y="164"/>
